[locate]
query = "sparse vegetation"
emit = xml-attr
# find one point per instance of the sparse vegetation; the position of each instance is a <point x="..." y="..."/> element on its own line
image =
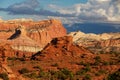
<point x="55" y="65"/>
<point x="12" y="58"/>
<point x="97" y="60"/>
<point x="31" y="75"/>
<point x="87" y="77"/>
<point x="84" y="67"/>
<point x="100" y="72"/>
<point x="38" y="67"/>
<point x="23" y="70"/>
<point x="4" y="76"/>
<point x="114" y="76"/>
<point x="83" y="71"/>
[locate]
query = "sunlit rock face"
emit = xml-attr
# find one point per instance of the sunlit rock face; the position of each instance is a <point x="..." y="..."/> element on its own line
<point x="61" y="47"/>
<point x="105" y="42"/>
<point x="28" y="35"/>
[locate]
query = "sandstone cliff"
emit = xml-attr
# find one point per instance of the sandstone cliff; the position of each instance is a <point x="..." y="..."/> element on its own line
<point x="5" y="52"/>
<point x="98" y="42"/>
<point x="29" y="35"/>
<point x="60" y="48"/>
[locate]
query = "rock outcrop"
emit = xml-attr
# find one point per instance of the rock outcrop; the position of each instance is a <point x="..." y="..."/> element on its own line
<point x="28" y="35"/>
<point x="5" y="52"/>
<point x="105" y="42"/>
<point x="59" y="48"/>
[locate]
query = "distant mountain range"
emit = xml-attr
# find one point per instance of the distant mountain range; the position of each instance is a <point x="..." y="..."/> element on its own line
<point x="97" y="28"/>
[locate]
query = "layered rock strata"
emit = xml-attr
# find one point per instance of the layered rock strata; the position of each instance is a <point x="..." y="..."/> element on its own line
<point x="61" y="47"/>
<point x="30" y="36"/>
<point x="106" y="42"/>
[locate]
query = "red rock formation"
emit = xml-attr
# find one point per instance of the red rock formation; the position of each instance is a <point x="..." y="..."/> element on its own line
<point x="60" y="48"/>
<point x="45" y="35"/>
<point x="33" y="36"/>
<point x="5" y="51"/>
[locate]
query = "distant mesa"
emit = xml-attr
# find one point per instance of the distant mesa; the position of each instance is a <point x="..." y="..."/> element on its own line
<point x="29" y="35"/>
<point x="106" y="42"/>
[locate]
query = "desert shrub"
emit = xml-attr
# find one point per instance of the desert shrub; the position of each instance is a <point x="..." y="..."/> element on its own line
<point x="101" y="52"/>
<point x="38" y="67"/>
<point x="105" y="63"/>
<point x="100" y="72"/>
<point x="55" y="65"/>
<point x="80" y="63"/>
<point x="83" y="63"/>
<point x="21" y="59"/>
<point x="12" y="58"/>
<point x="44" y="75"/>
<point x="41" y="74"/>
<point x="83" y="71"/>
<point x="24" y="70"/>
<point x="87" y="77"/>
<point x="4" y="76"/>
<point x="87" y="68"/>
<point x="114" y="76"/>
<point x="68" y="73"/>
<point x="97" y="60"/>
<point x="112" y="63"/>
<point x="62" y="74"/>
<point x="109" y="63"/>
<point x="32" y="75"/>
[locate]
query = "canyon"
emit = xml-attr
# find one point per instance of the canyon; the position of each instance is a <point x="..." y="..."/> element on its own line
<point x="24" y="37"/>
<point x="31" y="50"/>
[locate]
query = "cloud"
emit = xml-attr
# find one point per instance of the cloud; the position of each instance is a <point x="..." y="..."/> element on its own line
<point x="93" y="10"/>
<point x="30" y="7"/>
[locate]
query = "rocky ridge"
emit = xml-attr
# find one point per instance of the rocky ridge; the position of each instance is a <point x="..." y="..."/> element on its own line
<point x="101" y="42"/>
<point x="5" y="52"/>
<point x="30" y="36"/>
<point x="61" y="47"/>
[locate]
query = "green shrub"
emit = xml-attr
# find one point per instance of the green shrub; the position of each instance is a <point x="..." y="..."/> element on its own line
<point x="4" y="76"/>
<point x="62" y="74"/>
<point x="114" y="76"/>
<point x="97" y="60"/>
<point x="12" y="58"/>
<point x="67" y="73"/>
<point x="55" y="65"/>
<point x="87" y="77"/>
<point x="105" y="63"/>
<point x="21" y="59"/>
<point x="38" y="67"/>
<point x="83" y="71"/>
<point x="41" y="74"/>
<point x="24" y="70"/>
<point x="32" y="75"/>
<point x="100" y="72"/>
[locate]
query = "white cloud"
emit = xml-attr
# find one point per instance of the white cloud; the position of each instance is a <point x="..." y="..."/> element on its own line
<point x="97" y="10"/>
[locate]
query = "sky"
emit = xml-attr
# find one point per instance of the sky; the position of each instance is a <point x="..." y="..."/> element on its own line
<point x="69" y="11"/>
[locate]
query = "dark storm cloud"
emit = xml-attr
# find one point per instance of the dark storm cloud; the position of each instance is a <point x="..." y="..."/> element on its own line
<point x="30" y="7"/>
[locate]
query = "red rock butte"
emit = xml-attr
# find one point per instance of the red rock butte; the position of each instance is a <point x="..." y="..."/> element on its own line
<point x="30" y="36"/>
